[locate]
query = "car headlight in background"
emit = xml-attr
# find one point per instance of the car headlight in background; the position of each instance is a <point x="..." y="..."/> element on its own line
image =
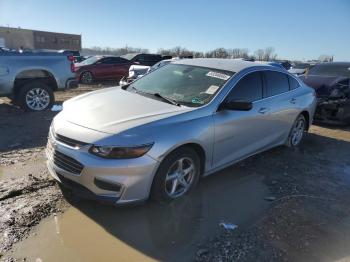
<point x="113" y="152"/>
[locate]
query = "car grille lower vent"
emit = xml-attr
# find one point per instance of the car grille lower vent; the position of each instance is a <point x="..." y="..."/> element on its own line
<point x="67" y="163"/>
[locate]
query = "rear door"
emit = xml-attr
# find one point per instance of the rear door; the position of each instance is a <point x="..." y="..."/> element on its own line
<point x="280" y="104"/>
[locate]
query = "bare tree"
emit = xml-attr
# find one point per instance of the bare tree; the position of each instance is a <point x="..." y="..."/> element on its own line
<point x="325" y="58"/>
<point x="259" y="54"/>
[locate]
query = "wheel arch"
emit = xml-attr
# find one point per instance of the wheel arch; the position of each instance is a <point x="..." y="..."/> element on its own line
<point x="306" y="114"/>
<point x="29" y="75"/>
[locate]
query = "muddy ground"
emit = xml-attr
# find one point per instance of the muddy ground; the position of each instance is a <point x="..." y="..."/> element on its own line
<point x="306" y="214"/>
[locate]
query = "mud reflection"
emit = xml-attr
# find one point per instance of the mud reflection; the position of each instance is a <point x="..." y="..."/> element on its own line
<point x="93" y="232"/>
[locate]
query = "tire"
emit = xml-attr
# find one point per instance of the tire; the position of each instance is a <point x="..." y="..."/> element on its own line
<point x="86" y="78"/>
<point x="35" y="96"/>
<point x="297" y="132"/>
<point x="169" y="171"/>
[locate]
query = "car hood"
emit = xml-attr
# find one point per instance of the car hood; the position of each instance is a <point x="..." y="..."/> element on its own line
<point x="323" y="85"/>
<point x="114" y="110"/>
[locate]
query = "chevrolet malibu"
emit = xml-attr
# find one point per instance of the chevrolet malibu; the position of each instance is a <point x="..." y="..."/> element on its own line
<point x="159" y="135"/>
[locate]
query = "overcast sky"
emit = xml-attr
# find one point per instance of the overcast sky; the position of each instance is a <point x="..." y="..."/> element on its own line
<point x="297" y="29"/>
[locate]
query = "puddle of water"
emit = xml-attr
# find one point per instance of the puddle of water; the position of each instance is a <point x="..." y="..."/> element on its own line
<point x="92" y="232"/>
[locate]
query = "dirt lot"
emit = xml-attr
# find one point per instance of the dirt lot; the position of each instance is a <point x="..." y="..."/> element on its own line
<point x="289" y="204"/>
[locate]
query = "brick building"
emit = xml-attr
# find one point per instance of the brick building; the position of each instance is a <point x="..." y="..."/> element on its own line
<point x="16" y="38"/>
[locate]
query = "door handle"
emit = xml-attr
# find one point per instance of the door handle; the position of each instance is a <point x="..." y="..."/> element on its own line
<point x="263" y="110"/>
<point x="293" y="101"/>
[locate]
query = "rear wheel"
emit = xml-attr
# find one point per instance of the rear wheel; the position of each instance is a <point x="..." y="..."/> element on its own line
<point x="177" y="175"/>
<point x="86" y="77"/>
<point x="35" y="96"/>
<point x="297" y="132"/>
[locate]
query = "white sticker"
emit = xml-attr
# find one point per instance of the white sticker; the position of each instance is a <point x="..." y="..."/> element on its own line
<point x="212" y="89"/>
<point x="218" y="75"/>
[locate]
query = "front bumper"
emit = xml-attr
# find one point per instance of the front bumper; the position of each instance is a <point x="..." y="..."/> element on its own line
<point x="132" y="178"/>
<point x="333" y="111"/>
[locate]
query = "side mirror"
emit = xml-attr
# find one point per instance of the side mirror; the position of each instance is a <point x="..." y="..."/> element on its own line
<point x="236" y="105"/>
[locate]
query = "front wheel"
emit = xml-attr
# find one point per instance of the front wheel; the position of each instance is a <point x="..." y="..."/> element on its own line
<point x="177" y="175"/>
<point x="35" y="96"/>
<point x="297" y="132"/>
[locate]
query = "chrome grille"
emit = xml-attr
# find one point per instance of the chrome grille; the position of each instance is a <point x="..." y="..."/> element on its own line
<point x="67" y="163"/>
<point x="69" y="141"/>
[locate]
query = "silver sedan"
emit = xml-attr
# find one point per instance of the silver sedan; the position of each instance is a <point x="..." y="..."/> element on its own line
<point x="160" y="134"/>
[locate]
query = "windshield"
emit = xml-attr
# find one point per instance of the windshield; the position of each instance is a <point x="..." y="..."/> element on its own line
<point x="90" y="60"/>
<point x="331" y="70"/>
<point x="187" y="85"/>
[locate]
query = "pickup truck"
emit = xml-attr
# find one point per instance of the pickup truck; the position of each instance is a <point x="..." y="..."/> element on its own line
<point x="30" y="79"/>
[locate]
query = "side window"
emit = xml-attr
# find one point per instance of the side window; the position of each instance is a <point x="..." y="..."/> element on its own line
<point x="248" y="89"/>
<point x="140" y="58"/>
<point x="105" y="60"/>
<point x="293" y="83"/>
<point x="118" y="60"/>
<point x="276" y="83"/>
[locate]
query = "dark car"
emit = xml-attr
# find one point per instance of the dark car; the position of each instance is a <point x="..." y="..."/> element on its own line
<point x="102" y="68"/>
<point x="331" y="82"/>
<point x="143" y="59"/>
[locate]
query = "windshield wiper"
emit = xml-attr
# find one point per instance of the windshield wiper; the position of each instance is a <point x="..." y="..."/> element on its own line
<point x="167" y="99"/>
<point x="164" y="98"/>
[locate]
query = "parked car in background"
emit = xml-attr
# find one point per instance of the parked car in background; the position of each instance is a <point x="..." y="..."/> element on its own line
<point x="285" y="63"/>
<point x="299" y="68"/>
<point x="160" y="134"/>
<point x="332" y="84"/>
<point x="102" y="68"/>
<point x="143" y="59"/>
<point x="137" y="71"/>
<point x="29" y="79"/>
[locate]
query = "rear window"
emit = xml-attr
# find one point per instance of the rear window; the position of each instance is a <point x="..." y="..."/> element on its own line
<point x="293" y="83"/>
<point x="276" y="83"/>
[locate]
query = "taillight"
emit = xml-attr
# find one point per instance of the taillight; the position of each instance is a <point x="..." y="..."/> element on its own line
<point x="72" y="67"/>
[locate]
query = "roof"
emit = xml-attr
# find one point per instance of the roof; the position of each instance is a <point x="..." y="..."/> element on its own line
<point x="232" y="65"/>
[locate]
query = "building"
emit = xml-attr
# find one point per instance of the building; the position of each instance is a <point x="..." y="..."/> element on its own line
<point x="17" y="38"/>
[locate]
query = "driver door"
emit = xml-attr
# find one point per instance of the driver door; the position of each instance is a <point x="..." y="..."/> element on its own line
<point x="241" y="133"/>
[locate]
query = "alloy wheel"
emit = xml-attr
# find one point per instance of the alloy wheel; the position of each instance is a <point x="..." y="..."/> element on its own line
<point x="180" y="177"/>
<point x="298" y="131"/>
<point x="86" y="78"/>
<point x="37" y="99"/>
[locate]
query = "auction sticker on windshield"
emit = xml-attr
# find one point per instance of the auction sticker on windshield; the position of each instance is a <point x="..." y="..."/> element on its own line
<point x="211" y="90"/>
<point x="218" y="75"/>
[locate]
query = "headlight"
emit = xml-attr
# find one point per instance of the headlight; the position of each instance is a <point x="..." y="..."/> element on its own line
<point x="113" y="152"/>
